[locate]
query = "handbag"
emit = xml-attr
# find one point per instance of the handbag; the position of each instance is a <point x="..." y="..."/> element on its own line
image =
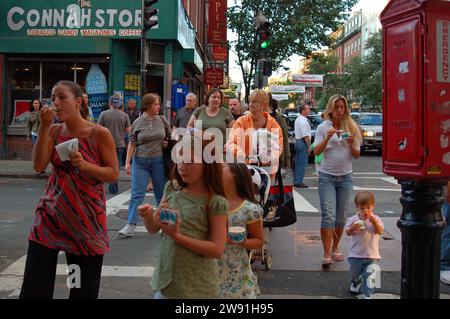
<point x="279" y="210"/>
<point x="168" y="163"/>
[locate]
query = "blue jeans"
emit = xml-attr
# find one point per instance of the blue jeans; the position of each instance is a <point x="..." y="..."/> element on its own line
<point x="114" y="187"/>
<point x="33" y="139"/>
<point x="359" y="273"/>
<point x="141" y="170"/>
<point x="301" y="160"/>
<point x="445" y="239"/>
<point x="334" y="194"/>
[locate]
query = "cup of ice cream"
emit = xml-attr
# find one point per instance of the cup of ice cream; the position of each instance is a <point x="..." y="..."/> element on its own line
<point x="361" y="223"/>
<point x="168" y="216"/>
<point x="236" y="234"/>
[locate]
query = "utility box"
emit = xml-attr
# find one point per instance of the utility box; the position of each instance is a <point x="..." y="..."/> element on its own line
<point x="416" y="89"/>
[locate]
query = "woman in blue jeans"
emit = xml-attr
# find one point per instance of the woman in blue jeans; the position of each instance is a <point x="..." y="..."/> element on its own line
<point x="339" y="139"/>
<point x="146" y="142"/>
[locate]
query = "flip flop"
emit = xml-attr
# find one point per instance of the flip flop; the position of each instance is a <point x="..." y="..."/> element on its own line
<point x="326" y="262"/>
<point x="337" y="256"/>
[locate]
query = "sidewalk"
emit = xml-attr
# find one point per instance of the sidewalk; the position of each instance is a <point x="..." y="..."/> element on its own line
<point x="24" y="169"/>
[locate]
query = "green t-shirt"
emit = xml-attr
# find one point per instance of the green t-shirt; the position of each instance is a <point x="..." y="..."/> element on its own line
<point x="317" y="158"/>
<point x="181" y="273"/>
<point x="220" y="121"/>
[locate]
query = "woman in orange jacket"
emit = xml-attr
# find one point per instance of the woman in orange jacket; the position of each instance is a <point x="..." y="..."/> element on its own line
<point x="256" y="137"/>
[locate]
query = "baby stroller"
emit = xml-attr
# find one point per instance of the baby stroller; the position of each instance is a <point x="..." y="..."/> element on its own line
<point x="262" y="181"/>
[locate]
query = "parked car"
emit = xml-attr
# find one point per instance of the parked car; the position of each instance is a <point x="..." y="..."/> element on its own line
<point x="314" y="121"/>
<point x="371" y="127"/>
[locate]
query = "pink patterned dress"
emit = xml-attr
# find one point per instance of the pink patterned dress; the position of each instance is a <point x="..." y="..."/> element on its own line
<point x="71" y="215"/>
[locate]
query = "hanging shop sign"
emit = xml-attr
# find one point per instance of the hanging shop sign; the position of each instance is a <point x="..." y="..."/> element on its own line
<point x="217" y="30"/>
<point x="214" y="76"/>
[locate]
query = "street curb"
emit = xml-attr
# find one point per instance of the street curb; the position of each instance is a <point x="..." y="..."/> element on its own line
<point x="43" y="176"/>
<point x="24" y="176"/>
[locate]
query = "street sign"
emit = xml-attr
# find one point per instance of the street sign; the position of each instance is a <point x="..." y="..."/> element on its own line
<point x="308" y="79"/>
<point x="287" y="89"/>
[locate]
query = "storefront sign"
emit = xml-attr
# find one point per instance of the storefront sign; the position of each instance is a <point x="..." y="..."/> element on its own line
<point x="71" y="18"/>
<point x="21" y="113"/>
<point x="308" y="79"/>
<point x="214" y="76"/>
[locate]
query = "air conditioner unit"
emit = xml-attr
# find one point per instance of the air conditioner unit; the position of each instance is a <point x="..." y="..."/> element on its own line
<point x="154" y="54"/>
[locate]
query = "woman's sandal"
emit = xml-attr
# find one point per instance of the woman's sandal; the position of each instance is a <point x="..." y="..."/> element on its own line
<point x="326" y="262"/>
<point x="337" y="256"/>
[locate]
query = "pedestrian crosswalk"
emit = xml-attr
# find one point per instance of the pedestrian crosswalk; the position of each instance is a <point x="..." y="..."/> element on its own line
<point x="120" y="202"/>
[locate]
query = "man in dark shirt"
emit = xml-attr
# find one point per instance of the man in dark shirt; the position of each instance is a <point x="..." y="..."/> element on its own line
<point x="184" y="114"/>
<point x="118" y="124"/>
<point x="132" y="112"/>
<point x="235" y="108"/>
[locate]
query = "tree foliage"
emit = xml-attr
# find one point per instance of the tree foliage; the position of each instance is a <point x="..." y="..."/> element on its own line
<point x="326" y="64"/>
<point x="297" y="27"/>
<point x="366" y="75"/>
<point x="361" y="82"/>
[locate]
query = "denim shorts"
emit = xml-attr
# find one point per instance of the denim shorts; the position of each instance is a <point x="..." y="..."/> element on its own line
<point x="335" y="193"/>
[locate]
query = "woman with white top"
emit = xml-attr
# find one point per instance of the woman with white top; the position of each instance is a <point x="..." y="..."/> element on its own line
<point x="339" y="139"/>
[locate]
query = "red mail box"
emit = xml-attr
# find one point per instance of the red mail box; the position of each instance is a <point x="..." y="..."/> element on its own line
<point x="416" y="89"/>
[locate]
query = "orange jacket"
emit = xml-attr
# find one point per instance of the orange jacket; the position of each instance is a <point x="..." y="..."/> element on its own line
<point x="240" y="139"/>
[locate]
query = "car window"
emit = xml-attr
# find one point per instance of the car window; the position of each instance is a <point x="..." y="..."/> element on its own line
<point x="314" y="121"/>
<point x="290" y="120"/>
<point x="372" y="119"/>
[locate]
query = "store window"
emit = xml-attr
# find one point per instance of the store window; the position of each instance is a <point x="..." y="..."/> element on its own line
<point x="35" y="79"/>
<point x="25" y="86"/>
<point x="53" y="72"/>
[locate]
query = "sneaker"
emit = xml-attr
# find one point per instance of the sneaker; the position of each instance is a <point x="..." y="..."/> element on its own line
<point x="367" y="297"/>
<point x="301" y="185"/>
<point x="445" y="277"/>
<point x="354" y="288"/>
<point x="128" y="230"/>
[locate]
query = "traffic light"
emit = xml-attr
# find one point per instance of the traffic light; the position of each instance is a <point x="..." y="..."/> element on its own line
<point x="148" y="13"/>
<point x="262" y="28"/>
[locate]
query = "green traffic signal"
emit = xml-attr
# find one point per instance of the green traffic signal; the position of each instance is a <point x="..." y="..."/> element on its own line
<point x="264" y="44"/>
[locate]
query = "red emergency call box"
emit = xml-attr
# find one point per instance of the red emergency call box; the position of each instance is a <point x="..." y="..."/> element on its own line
<point x="416" y="89"/>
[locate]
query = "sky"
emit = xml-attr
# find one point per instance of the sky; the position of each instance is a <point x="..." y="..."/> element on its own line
<point x="293" y="63"/>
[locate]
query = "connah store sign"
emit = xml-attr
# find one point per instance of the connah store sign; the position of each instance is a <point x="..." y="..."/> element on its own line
<point x="70" y="18"/>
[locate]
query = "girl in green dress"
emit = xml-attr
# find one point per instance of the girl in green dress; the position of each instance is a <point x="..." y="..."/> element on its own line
<point x="187" y="261"/>
<point x="236" y="278"/>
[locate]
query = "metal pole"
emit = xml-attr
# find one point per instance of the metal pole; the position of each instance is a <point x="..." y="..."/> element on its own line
<point x="421" y="224"/>
<point x="260" y="74"/>
<point x="143" y="48"/>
